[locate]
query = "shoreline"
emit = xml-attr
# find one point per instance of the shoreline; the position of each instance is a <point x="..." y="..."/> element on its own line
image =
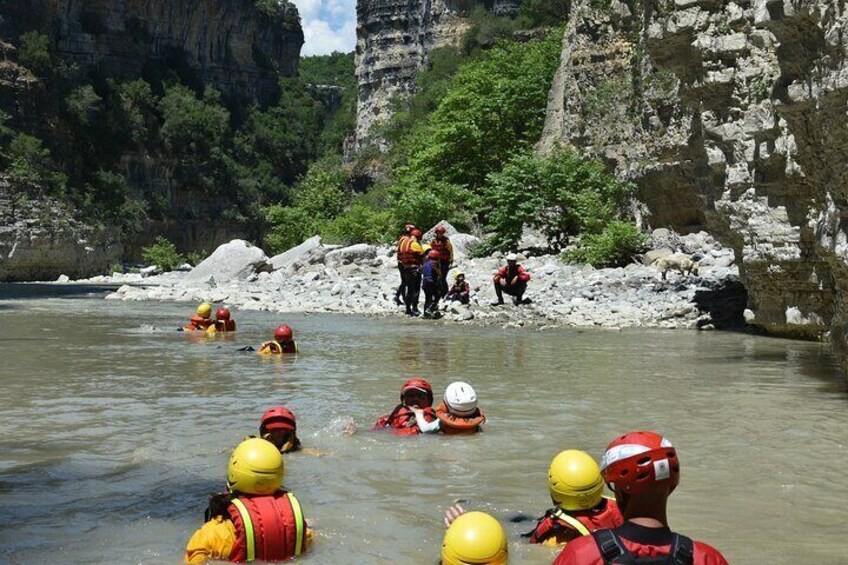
<point x="362" y="279"/>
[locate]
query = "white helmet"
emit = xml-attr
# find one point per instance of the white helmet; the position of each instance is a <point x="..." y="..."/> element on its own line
<point x="461" y="399"/>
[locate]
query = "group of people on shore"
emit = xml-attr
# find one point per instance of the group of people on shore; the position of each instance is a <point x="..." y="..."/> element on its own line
<point x="428" y="266"/>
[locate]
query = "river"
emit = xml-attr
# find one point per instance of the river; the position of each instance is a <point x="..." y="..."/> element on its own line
<point x="116" y="427"/>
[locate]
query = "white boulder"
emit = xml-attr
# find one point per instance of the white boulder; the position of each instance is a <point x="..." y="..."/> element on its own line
<point x="236" y="260"/>
<point x="296" y="253"/>
<point x="355" y="254"/>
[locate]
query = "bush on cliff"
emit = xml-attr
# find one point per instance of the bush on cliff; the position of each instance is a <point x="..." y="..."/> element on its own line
<point x="163" y="254"/>
<point x="615" y="246"/>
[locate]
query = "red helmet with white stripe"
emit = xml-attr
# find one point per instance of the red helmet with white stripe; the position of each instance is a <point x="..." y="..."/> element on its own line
<point x="640" y="462"/>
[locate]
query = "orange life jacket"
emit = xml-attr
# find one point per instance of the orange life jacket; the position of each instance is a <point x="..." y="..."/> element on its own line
<point x="402" y="420"/>
<point x="268" y="527"/>
<point x="458" y="425"/>
<point x="441" y="245"/>
<point x="405" y="255"/>
<point x="198" y="323"/>
<point x="225" y="325"/>
<point x="570" y="524"/>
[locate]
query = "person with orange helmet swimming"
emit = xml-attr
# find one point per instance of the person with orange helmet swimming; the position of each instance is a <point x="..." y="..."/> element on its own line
<point x="202" y="319"/>
<point x="642" y="469"/>
<point x="415" y="394"/>
<point x="256" y="519"/>
<point x="409" y="254"/>
<point x="443" y="245"/>
<point x="431" y="274"/>
<point x="576" y="487"/>
<point x="223" y="323"/>
<point x="283" y="342"/>
<point x="457" y="414"/>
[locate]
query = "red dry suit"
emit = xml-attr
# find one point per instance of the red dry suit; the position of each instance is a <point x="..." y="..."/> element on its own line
<point x="566" y="525"/>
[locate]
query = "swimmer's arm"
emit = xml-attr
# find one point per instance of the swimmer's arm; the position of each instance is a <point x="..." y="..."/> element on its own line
<point x="215" y="540"/>
<point x="312" y="452"/>
<point x="423" y="425"/>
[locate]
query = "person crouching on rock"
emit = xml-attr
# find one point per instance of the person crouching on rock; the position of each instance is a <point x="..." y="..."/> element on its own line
<point x="283" y="342"/>
<point x="457" y="415"/>
<point x="223" y="323"/>
<point x="201" y="320"/>
<point x="576" y="487"/>
<point x="511" y="280"/>
<point x="460" y="291"/>
<point x="431" y="273"/>
<point x="256" y="520"/>
<point x="416" y="394"/>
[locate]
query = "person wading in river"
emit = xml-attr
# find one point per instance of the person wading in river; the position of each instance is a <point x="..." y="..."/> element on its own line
<point x="642" y="469"/>
<point x="458" y="414"/>
<point x="415" y="394"/>
<point x="201" y="320"/>
<point x="473" y="538"/>
<point x="576" y="487"/>
<point x="257" y="519"/>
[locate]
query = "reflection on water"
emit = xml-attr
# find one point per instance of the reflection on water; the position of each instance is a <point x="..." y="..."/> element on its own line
<point x="116" y="427"/>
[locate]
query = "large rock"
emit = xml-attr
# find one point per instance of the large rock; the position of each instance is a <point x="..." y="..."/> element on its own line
<point x="356" y="254"/>
<point x="450" y="231"/>
<point x="464" y="244"/>
<point x="236" y="260"/>
<point x="296" y="253"/>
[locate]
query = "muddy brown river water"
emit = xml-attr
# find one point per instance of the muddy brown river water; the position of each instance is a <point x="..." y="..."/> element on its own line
<point x="115" y="428"/>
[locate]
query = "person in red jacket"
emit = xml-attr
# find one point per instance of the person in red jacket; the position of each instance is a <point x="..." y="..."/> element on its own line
<point x="576" y="487"/>
<point x="511" y="280"/>
<point x="223" y="321"/>
<point x="415" y="394"/>
<point x="642" y="469"/>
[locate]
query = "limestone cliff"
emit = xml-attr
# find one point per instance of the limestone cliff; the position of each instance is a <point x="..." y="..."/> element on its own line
<point x="729" y="116"/>
<point x="233" y="44"/>
<point x="394" y="40"/>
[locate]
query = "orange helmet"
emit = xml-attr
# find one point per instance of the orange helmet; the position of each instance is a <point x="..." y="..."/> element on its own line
<point x="434" y="254"/>
<point x="277" y="418"/>
<point x="416" y="233"/>
<point x="417" y="383"/>
<point x="440" y="230"/>
<point x="283" y="333"/>
<point x="222" y="313"/>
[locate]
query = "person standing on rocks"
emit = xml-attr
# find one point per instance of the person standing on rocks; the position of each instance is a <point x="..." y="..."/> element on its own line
<point x="642" y="470"/>
<point x="431" y="281"/>
<point x="409" y="254"/>
<point x="400" y="293"/>
<point x="511" y="280"/>
<point x="443" y="245"/>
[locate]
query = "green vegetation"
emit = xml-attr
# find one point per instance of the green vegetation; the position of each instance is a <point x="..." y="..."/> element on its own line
<point x="163" y="254"/>
<point x="615" y="246"/>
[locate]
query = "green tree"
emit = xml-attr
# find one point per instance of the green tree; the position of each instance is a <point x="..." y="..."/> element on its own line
<point x="83" y="103"/>
<point x="29" y="166"/>
<point x="163" y="254"/>
<point x="191" y="125"/>
<point x="615" y="246"/>
<point x="34" y="53"/>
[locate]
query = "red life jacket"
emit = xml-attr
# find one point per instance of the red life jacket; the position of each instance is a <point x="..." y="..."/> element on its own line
<point x="198" y="323"/>
<point x="569" y="524"/>
<point x="640" y="545"/>
<point x="457" y="425"/>
<point x="441" y="245"/>
<point x="402" y="420"/>
<point x="405" y="255"/>
<point x="225" y="325"/>
<point x="268" y="527"/>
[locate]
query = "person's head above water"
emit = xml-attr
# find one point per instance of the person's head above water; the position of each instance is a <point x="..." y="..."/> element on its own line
<point x="474" y="537"/>
<point x="283" y="333"/>
<point x="279" y="426"/>
<point x="416" y="392"/>
<point x="222" y="313"/>
<point x="256" y="467"/>
<point x="642" y="469"/>
<point x="204" y="310"/>
<point x="575" y="481"/>
<point x="460" y="399"/>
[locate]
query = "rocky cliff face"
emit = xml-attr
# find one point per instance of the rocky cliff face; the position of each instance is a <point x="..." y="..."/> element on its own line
<point x="233" y="44"/>
<point x="729" y="116"/>
<point x="394" y="40"/>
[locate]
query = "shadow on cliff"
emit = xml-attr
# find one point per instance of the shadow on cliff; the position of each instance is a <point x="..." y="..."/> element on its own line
<point x="725" y="302"/>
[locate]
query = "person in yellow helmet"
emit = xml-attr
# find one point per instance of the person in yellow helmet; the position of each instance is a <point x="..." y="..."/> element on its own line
<point x="473" y="538"/>
<point x="460" y="291"/>
<point x="576" y="487"/>
<point x="256" y="519"/>
<point x="202" y="319"/>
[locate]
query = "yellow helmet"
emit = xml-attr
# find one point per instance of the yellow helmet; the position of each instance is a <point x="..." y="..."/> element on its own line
<point x="204" y="310"/>
<point x="575" y="480"/>
<point x="474" y="537"/>
<point x="256" y="467"/>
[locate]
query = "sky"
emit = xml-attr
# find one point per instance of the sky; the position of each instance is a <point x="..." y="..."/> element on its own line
<point x="328" y="25"/>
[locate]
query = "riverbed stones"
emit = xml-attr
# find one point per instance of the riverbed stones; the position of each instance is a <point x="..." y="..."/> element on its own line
<point x="296" y="253"/>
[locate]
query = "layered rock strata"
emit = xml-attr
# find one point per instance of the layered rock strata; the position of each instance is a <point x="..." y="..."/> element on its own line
<point x="729" y="116"/>
<point x="394" y="40"/>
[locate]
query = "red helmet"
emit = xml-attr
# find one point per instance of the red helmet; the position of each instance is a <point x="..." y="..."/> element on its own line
<point x="640" y="462"/>
<point x="277" y="418"/>
<point x="416" y="233"/>
<point x="434" y="254"/>
<point x="222" y="313"/>
<point x="417" y="383"/>
<point x="440" y="230"/>
<point x="283" y="333"/>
